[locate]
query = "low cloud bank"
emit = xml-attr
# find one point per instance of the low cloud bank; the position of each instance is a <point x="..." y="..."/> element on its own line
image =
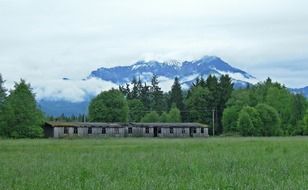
<point x="70" y="90"/>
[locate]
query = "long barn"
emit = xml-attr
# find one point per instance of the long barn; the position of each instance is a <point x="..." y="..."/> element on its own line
<point x="86" y="129"/>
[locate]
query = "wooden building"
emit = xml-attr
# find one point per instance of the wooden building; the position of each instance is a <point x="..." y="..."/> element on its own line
<point x="79" y="129"/>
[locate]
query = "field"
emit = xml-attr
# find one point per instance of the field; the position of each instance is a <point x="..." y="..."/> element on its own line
<point x="139" y="163"/>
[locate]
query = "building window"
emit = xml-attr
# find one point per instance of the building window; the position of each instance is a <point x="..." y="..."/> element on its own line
<point x="159" y="130"/>
<point x="147" y="130"/>
<point x="116" y="130"/>
<point x="130" y="130"/>
<point x="183" y="131"/>
<point x="202" y="130"/>
<point x="103" y="130"/>
<point x="90" y="130"/>
<point x="171" y="130"/>
<point x="75" y="130"/>
<point x="65" y="130"/>
<point x="195" y="130"/>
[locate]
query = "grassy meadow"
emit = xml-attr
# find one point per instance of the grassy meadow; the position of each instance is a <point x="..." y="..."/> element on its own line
<point x="147" y="163"/>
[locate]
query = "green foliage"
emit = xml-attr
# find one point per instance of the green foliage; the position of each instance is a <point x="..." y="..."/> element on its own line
<point x="151" y="117"/>
<point x="224" y="91"/>
<point x="174" y="115"/>
<point x="229" y="119"/>
<point x="281" y="100"/>
<point x="245" y="124"/>
<point x="21" y="116"/>
<point x="136" y="110"/>
<point x="298" y="108"/>
<point x="164" y="117"/>
<point x="198" y="105"/>
<point x="2" y="92"/>
<point x="109" y="106"/>
<point x="270" y="120"/>
<point x="176" y="96"/>
<point x="254" y="116"/>
<point x="158" y="102"/>
<point x="239" y="98"/>
<point x="289" y="107"/>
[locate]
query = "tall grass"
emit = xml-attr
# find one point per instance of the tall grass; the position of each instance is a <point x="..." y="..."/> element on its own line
<point x="213" y="163"/>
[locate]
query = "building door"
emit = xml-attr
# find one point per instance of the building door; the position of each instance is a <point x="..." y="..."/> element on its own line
<point x="155" y="131"/>
<point x="190" y="132"/>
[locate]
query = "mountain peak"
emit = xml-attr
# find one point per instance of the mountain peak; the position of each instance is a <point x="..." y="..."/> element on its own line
<point x="187" y="71"/>
<point x="173" y="62"/>
<point x="208" y="58"/>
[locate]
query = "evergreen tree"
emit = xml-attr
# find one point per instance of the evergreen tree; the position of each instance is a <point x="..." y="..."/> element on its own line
<point x="176" y="96"/>
<point x="157" y="98"/>
<point x="134" y="93"/>
<point x="145" y="97"/>
<point x="3" y="123"/>
<point x="139" y="88"/>
<point x="298" y="108"/>
<point x="2" y="92"/>
<point x="23" y="118"/>
<point x="198" y="105"/>
<point x="305" y="131"/>
<point x="224" y="91"/>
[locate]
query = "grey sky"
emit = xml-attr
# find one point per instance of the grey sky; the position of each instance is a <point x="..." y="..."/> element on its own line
<point x="43" y="41"/>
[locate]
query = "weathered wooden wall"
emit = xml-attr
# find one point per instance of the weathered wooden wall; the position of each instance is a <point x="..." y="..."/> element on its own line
<point x="58" y="132"/>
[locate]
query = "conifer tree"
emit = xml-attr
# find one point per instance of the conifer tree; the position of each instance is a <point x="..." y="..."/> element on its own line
<point x="134" y="92"/>
<point x="2" y="105"/>
<point x="145" y="97"/>
<point x="157" y="97"/>
<point x="176" y="96"/>
<point x="224" y="90"/>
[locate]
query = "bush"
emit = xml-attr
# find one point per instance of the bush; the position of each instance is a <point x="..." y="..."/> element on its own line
<point x="270" y="120"/>
<point x="229" y="119"/>
<point x="245" y="124"/>
<point x="174" y="115"/>
<point x="109" y="106"/>
<point x="151" y="117"/>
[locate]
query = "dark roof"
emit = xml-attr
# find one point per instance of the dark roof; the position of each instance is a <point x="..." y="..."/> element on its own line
<point x="82" y="124"/>
<point x="97" y="124"/>
<point x="175" y="125"/>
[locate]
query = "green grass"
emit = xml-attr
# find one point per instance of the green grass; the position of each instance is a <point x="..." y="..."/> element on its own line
<point x="140" y="163"/>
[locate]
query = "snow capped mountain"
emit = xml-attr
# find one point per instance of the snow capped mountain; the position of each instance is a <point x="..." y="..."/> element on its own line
<point x="106" y="78"/>
<point x="187" y="71"/>
<point x="303" y="91"/>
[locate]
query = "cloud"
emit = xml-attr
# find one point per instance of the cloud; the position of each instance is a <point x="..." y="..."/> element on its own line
<point x="71" y="90"/>
<point x="44" y="41"/>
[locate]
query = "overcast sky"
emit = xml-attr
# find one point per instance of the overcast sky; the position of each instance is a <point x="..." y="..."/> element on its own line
<point x="44" y="41"/>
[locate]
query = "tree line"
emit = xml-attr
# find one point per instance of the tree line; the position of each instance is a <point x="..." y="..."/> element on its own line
<point x="264" y="109"/>
<point x="139" y="102"/>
